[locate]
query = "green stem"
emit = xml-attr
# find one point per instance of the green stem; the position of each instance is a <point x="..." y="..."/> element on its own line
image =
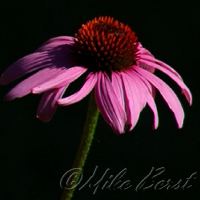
<point x="86" y="141"/>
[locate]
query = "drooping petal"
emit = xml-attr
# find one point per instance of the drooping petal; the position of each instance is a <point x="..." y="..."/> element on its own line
<point x="25" y="87"/>
<point x="61" y="80"/>
<point x="25" y="65"/>
<point x="152" y="59"/>
<point x="167" y="93"/>
<point x="55" y="42"/>
<point x="140" y="95"/>
<point x="53" y="53"/>
<point x="84" y="91"/>
<point x="174" y="77"/>
<point x="146" y="89"/>
<point x="109" y="105"/>
<point x="47" y="106"/>
<point x="118" y="87"/>
<point x="134" y="98"/>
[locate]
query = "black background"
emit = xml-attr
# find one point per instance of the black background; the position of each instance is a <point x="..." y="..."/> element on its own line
<point x="35" y="155"/>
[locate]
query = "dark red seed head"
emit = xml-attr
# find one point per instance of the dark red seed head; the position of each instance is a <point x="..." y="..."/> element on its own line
<point x="105" y="44"/>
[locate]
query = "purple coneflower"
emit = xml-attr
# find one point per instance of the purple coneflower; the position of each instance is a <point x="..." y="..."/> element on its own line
<point x="118" y="68"/>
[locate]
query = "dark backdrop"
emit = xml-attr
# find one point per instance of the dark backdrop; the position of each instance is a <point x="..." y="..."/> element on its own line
<point x="35" y="155"/>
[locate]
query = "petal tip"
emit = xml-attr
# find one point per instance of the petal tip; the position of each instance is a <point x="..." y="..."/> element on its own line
<point x="7" y="98"/>
<point x="59" y="102"/>
<point x="35" y="90"/>
<point x="2" y="80"/>
<point x="154" y="127"/>
<point x="43" y="118"/>
<point x="180" y="126"/>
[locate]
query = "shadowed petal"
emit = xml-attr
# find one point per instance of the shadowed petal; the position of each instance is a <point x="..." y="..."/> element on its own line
<point x="55" y="42"/>
<point x="25" y="87"/>
<point x="85" y="90"/>
<point x="109" y="105"/>
<point x="134" y="98"/>
<point x="25" y="65"/>
<point x="47" y="106"/>
<point x="61" y="80"/>
<point x="54" y="53"/>
<point x="145" y="66"/>
<point x="167" y="93"/>
<point x="184" y="88"/>
<point x="153" y="91"/>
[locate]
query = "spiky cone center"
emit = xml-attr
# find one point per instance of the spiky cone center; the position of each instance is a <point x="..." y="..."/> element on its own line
<point x="105" y="44"/>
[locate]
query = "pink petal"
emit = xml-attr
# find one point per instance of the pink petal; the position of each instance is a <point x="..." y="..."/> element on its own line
<point x="152" y="59"/>
<point x="61" y="80"/>
<point x="58" y="57"/>
<point x="174" y="77"/>
<point x="167" y="93"/>
<point x="55" y="53"/>
<point x="109" y="105"/>
<point x="25" y="65"/>
<point x="25" y="87"/>
<point x="134" y="98"/>
<point x="85" y="90"/>
<point x="55" y="42"/>
<point x="146" y="88"/>
<point x="118" y="87"/>
<point x="47" y="106"/>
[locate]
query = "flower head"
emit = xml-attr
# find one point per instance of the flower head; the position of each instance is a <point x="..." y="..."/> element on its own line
<point x="118" y="67"/>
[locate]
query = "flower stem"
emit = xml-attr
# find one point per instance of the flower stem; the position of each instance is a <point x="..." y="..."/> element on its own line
<point x="84" y="147"/>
